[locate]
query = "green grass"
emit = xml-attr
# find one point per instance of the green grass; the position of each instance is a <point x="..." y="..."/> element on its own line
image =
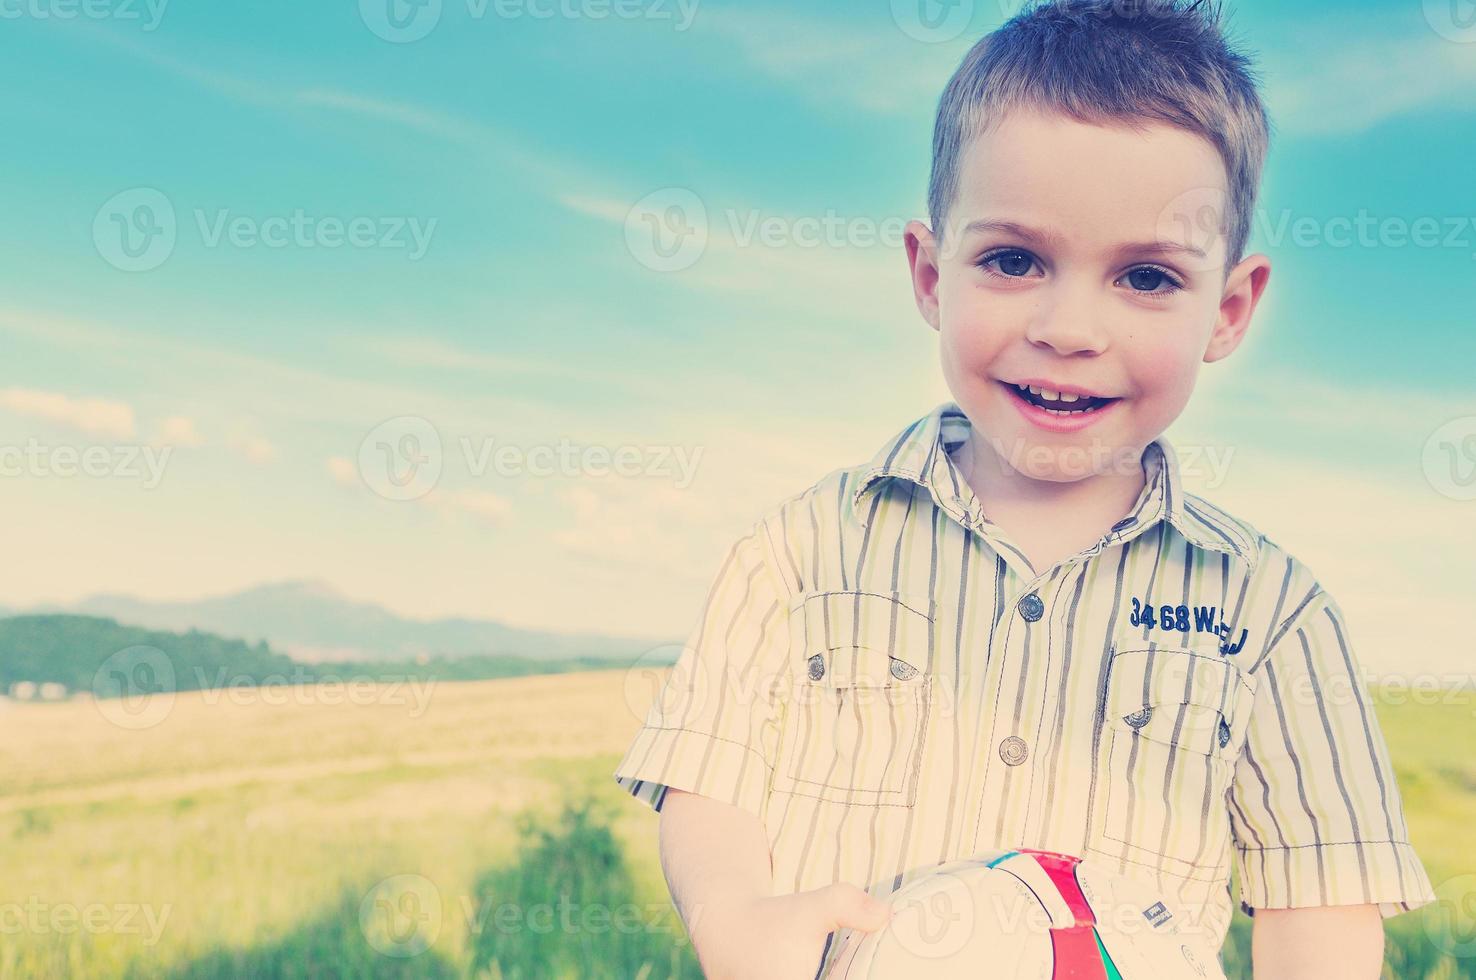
<point x="483" y="839"/>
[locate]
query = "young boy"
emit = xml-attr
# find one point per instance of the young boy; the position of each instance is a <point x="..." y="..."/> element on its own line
<point x="1013" y="627"/>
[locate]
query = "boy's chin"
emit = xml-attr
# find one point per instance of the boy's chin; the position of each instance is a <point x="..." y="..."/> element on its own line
<point x="1066" y="457"/>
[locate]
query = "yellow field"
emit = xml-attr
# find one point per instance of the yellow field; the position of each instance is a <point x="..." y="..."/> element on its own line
<point x="241" y="833"/>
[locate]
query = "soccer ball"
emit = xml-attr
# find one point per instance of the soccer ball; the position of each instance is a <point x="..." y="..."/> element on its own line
<point x="1027" y="915"/>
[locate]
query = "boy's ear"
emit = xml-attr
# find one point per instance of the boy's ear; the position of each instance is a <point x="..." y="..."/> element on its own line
<point x="1243" y="288"/>
<point x="922" y="258"/>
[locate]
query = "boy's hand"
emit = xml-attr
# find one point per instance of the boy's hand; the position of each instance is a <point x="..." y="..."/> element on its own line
<point x="781" y="937"/>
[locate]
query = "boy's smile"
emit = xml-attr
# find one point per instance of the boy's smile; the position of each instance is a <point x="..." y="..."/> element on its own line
<point x="1086" y="263"/>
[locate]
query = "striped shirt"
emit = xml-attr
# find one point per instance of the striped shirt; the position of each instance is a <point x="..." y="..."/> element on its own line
<point x="885" y="681"/>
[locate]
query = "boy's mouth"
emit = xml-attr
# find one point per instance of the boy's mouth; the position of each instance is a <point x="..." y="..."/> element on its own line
<point x="1057" y="402"/>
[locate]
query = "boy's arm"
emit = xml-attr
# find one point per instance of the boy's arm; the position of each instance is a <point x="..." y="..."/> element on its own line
<point x="1318" y="822"/>
<point x="715" y="856"/>
<point x="1344" y="941"/>
<point x="712" y="727"/>
<point x="716" y="860"/>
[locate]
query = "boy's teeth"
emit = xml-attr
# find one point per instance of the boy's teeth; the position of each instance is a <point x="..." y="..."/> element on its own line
<point x="1055" y="396"/>
<point x="1060" y="397"/>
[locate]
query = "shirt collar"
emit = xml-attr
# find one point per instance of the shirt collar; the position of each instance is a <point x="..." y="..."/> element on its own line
<point x="913" y="455"/>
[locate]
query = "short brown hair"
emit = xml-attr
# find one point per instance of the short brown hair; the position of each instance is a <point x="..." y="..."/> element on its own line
<point x="1111" y="61"/>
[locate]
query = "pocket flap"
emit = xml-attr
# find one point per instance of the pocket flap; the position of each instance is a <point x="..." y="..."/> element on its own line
<point x="1157" y="675"/>
<point x="870" y="638"/>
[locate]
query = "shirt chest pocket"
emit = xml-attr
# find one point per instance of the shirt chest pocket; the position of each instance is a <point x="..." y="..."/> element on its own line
<point x="1174" y="723"/>
<point x="854" y="728"/>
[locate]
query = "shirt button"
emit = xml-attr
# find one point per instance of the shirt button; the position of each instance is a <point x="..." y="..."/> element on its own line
<point x="1125" y="522"/>
<point x="1031" y="607"/>
<point x="1224" y="733"/>
<point x="817" y="667"/>
<point x="902" y="670"/>
<point x="1139" y="718"/>
<point x="1013" y="750"/>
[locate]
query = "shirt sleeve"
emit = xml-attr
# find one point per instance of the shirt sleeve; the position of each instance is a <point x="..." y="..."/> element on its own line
<point x="713" y="726"/>
<point x="1315" y="811"/>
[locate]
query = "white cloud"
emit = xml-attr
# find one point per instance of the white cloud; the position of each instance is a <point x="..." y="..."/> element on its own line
<point x="1398" y="557"/>
<point x="252" y="446"/>
<point x="179" y="430"/>
<point x="605" y="208"/>
<point x="837" y="265"/>
<point x="1342" y="85"/>
<point x="93" y="416"/>
<point x="430" y="352"/>
<point x="343" y="471"/>
<point x="477" y="503"/>
<point x="845" y="62"/>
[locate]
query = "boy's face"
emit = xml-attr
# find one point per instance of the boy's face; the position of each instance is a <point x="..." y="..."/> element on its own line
<point x="1086" y="292"/>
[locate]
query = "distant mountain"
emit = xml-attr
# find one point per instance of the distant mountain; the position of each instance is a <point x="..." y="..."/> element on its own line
<point x="53" y="656"/>
<point x="313" y="622"/>
<point x="94" y="655"/>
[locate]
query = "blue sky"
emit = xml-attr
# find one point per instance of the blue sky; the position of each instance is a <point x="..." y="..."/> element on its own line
<point x="517" y="144"/>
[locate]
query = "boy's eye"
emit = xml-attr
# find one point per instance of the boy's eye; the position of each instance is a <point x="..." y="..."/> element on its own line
<point x="1013" y="264"/>
<point x="1016" y="264"/>
<point x="1148" y="279"/>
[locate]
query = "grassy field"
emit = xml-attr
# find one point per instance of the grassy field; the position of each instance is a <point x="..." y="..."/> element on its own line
<point x="246" y="834"/>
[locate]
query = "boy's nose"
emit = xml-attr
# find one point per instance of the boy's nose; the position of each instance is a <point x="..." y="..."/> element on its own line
<point x="1067" y="335"/>
<point x="1071" y="324"/>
